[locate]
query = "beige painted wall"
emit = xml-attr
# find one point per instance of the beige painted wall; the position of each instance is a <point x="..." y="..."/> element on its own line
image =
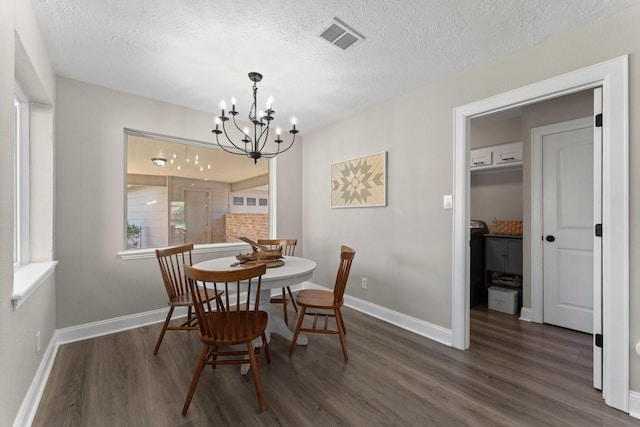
<point x="496" y="196"/>
<point x="492" y="130"/>
<point x="26" y="58"/>
<point x="405" y="248"/>
<point x="94" y="283"/>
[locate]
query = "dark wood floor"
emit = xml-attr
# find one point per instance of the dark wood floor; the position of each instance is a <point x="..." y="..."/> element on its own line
<point x="514" y="374"/>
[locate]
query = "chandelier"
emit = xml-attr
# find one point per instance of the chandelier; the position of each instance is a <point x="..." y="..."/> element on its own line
<point x="249" y="146"/>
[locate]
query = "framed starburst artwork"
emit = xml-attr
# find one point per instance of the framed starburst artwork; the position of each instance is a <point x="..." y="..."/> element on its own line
<point x="359" y="182"/>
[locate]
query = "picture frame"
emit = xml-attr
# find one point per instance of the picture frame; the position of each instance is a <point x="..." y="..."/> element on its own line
<point x="360" y="182"/>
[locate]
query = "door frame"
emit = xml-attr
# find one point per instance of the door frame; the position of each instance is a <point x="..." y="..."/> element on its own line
<point x="612" y="75"/>
<point x="537" y="134"/>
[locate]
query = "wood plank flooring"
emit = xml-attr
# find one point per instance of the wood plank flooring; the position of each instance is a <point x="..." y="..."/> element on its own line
<point x="515" y="374"/>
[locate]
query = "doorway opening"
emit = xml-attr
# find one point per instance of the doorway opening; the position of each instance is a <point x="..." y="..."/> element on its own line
<point x="611" y="75"/>
<point x="502" y="198"/>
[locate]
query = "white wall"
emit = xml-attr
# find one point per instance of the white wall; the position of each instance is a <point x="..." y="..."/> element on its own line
<point x="148" y="207"/>
<point x="405" y="248"/>
<point x="496" y="196"/>
<point x="493" y="129"/>
<point x="26" y="58"/>
<point x="93" y="282"/>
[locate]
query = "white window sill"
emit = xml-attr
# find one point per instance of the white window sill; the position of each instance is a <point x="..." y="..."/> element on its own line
<point x="199" y="249"/>
<point x="28" y="279"/>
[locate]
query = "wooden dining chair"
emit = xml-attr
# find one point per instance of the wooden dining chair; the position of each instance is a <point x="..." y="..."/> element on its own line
<point x="288" y="249"/>
<point x="241" y="322"/>
<point x="171" y="261"/>
<point x="325" y="304"/>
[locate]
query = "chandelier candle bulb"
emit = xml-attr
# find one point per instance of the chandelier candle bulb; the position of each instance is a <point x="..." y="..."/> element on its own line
<point x="233" y="104"/>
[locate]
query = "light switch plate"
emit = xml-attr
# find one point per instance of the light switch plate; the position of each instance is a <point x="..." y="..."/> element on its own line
<point x="447" y="201"/>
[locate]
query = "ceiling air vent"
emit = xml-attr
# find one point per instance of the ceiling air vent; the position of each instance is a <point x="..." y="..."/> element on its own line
<point x="340" y="35"/>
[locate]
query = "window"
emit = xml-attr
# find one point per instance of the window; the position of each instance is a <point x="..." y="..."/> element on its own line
<point x="251" y="201"/>
<point x="185" y="191"/>
<point x="33" y="139"/>
<point x="262" y="202"/>
<point x="21" y="180"/>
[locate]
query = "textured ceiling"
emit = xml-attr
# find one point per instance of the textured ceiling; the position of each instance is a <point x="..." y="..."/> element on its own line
<point x="197" y="52"/>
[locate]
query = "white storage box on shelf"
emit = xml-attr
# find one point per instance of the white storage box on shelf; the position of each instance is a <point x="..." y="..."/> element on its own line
<point x="496" y="158"/>
<point x="503" y="299"/>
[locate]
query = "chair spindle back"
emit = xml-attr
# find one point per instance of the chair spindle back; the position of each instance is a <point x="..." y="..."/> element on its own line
<point x="288" y="245"/>
<point x="171" y="261"/>
<point x="238" y="286"/>
<point x="346" y="258"/>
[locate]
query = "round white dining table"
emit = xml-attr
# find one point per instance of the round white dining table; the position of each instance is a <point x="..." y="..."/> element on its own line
<point x="294" y="271"/>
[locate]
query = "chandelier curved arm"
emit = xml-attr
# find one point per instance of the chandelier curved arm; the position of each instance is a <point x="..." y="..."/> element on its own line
<point x="233" y="117"/>
<point x="265" y="133"/>
<point x="256" y="141"/>
<point x="271" y="155"/>
<point x="224" y="130"/>
<point x="223" y="148"/>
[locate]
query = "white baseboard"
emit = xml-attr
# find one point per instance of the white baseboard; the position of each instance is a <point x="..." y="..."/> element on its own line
<point x="634" y="404"/>
<point x="117" y="324"/>
<point x="417" y="326"/>
<point x="31" y="400"/>
<point x="526" y="314"/>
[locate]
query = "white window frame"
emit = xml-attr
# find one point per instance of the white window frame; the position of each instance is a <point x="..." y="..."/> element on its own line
<point x="27" y="275"/>
<point x="21" y="175"/>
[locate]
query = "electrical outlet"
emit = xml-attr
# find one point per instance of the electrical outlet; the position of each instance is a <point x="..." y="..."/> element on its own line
<point x="38" y="343"/>
<point x="364" y="283"/>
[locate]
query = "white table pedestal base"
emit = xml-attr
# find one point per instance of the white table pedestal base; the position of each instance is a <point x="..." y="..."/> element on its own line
<point x="275" y="325"/>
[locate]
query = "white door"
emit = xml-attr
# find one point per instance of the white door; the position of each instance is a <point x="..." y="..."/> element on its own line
<point x="568" y="226"/>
